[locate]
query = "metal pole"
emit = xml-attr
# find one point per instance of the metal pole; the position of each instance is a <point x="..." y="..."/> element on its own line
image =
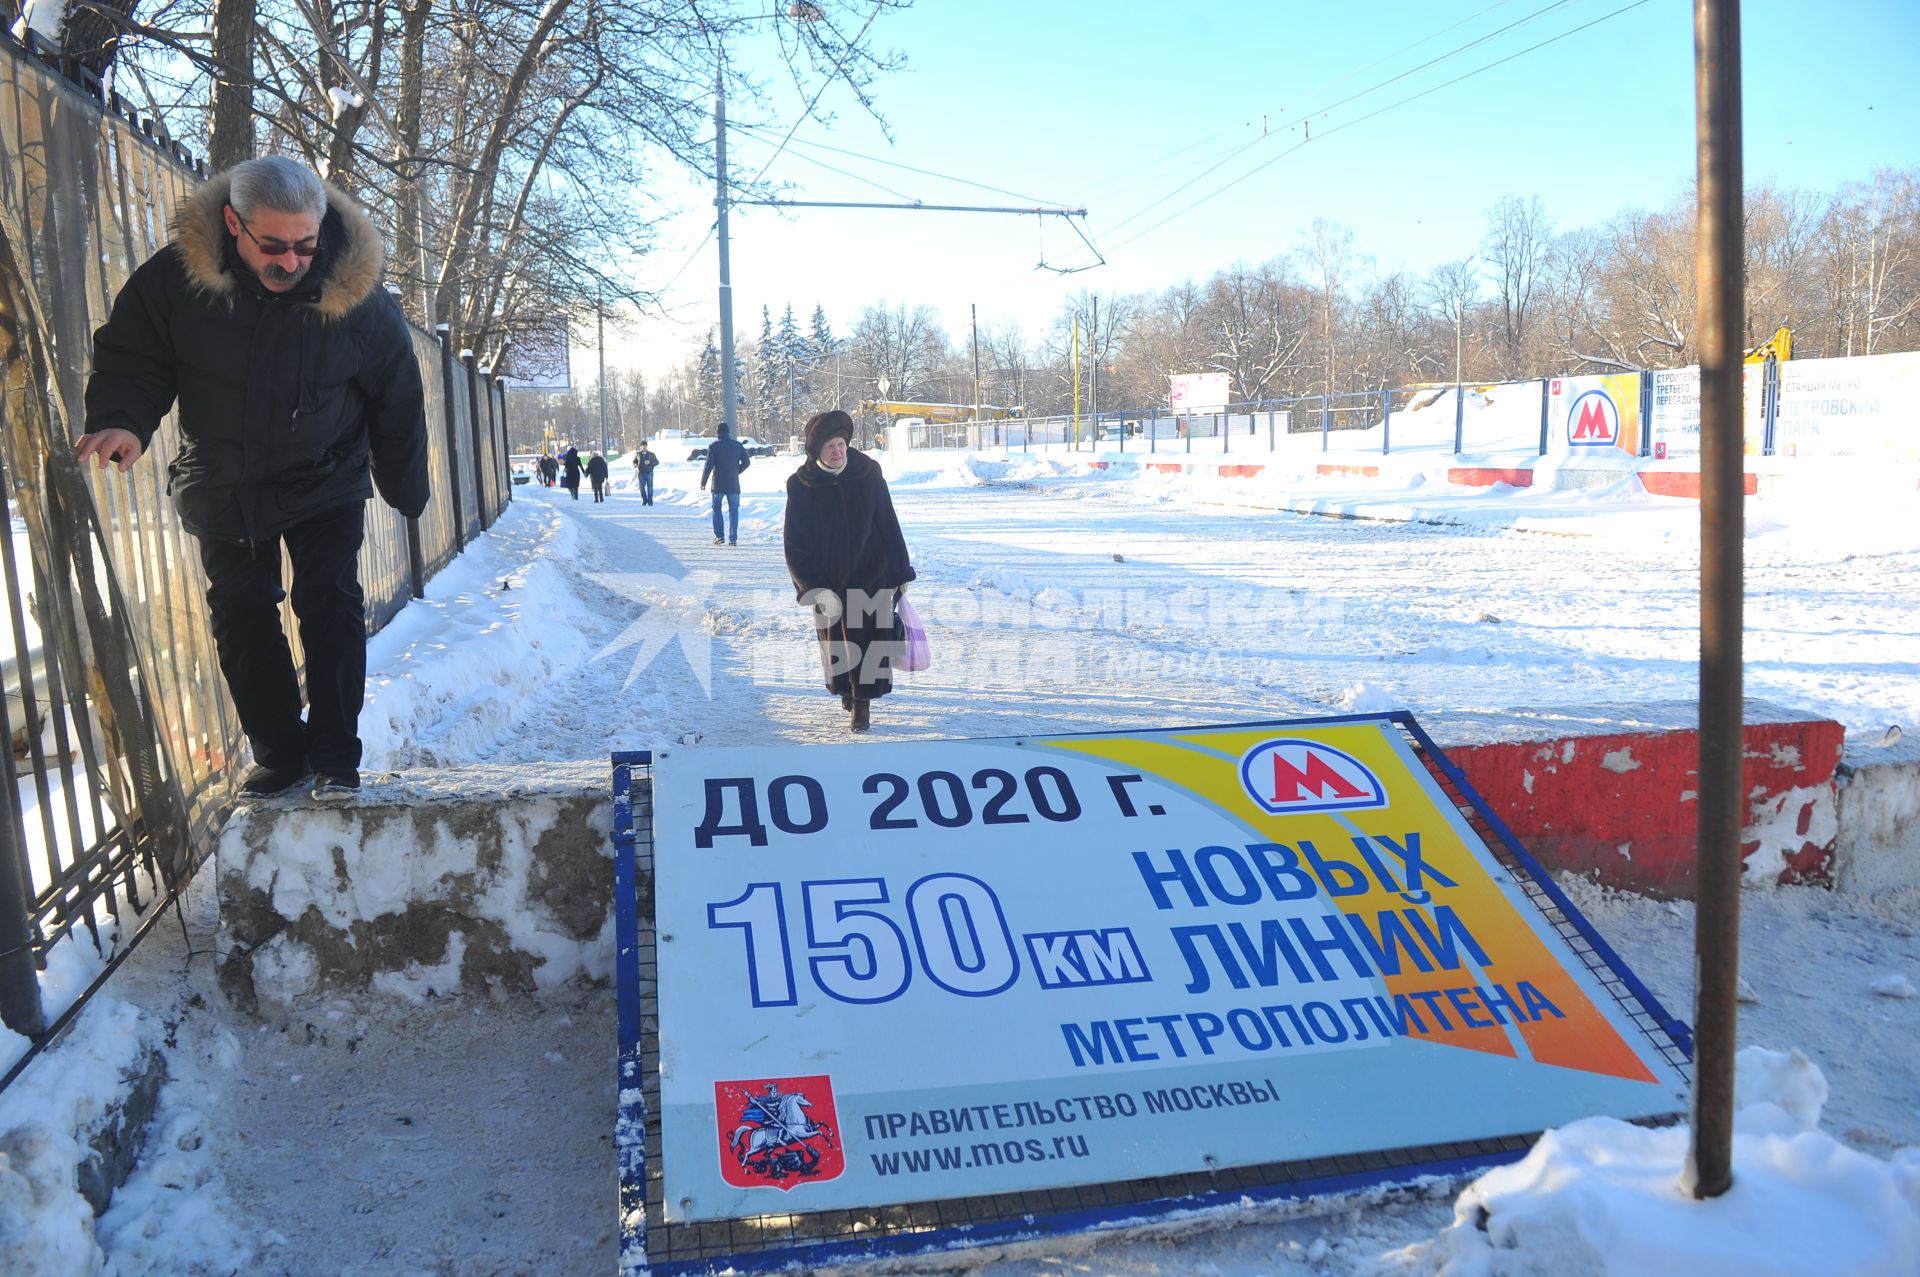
<point x="1386" y="423"/>
<point x="1076" y="383"/>
<point x="974" y="311"/>
<point x="440" y="334"/>
<point x="1546" y="390"/>
<point x="1459" y="390"/>
<point x="20" y="1007"/>
<point x="1093" y="370"/>
<point x="473" y="419"/>
<point x="727" y="388"/>
<point x="1721" y="270"/>
<point x="601" y="308"/>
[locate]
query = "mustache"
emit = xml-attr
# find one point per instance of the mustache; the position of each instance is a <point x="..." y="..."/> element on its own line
<point x="280" y="274"/>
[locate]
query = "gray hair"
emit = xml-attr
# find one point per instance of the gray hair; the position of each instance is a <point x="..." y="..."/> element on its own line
<point x="278" y="183"/>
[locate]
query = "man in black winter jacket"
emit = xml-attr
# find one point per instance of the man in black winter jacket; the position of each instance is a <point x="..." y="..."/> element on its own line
<point x="725" y="460"/>
<point x="298" y="395"/>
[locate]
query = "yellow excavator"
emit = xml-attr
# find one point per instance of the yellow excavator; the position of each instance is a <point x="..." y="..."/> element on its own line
<point x="938" y="412"/>
<point x="1779" y="346"/>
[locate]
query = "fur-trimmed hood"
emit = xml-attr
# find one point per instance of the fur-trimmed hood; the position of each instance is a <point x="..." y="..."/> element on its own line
<point x="351" y="256"/>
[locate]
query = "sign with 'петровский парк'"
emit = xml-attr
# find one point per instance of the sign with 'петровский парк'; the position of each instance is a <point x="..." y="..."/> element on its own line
<point x="956" y="968"/>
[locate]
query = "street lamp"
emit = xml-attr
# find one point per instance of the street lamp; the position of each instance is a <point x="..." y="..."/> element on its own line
<point x="799" y="11"/>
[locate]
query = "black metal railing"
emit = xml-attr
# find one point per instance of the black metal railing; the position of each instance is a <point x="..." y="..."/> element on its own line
<point x="122" y="744"/>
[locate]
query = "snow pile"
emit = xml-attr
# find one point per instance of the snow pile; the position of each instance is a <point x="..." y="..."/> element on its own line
<point x="172" y="1215"/>
<point x="1605" y="1198"/>
<point x="457" y="670"/>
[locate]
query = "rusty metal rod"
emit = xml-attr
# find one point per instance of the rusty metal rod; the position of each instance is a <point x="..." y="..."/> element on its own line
<point x="1722" y="289"/>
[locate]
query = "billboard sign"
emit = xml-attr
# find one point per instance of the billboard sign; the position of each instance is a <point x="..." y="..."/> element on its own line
<point x="962" y="968"/>
<point x="1196" y="394"/>
<point x="1589" y="415"/>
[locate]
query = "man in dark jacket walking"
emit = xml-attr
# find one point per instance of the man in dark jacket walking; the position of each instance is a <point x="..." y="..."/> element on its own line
<point x="299" y="395"/>
<point x="597" y="475"/>
<point x="645" y="462"/>
<point x="725" y="460"/>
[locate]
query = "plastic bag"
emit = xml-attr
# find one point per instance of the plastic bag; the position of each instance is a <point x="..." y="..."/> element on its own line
<point x="917" y="655"/>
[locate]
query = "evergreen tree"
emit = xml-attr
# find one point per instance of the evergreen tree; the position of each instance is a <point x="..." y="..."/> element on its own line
<point x="769" y="382"/>
<point x="707" y="387"/>
<point x="794" y="360"/>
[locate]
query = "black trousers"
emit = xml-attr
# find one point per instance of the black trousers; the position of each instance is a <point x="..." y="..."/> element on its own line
<point x="243" y="594"/>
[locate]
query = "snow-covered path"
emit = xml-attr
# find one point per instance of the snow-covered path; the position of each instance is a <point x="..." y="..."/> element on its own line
<point x="1068" y="605"/>
<point x="463" y="1139"/>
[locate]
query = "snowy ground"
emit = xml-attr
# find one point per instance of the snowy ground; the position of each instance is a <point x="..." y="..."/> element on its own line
<point x="462" y="1139"/>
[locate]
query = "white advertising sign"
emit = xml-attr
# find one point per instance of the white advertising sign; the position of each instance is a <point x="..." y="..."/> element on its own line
<point x="1195" y="394"/>
<point x="1676" y="411"/>
<point x="1849" y="407"/>
<point x="953" y="968"/>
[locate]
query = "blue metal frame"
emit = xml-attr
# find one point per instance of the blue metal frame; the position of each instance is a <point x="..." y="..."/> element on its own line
<point x="630" y="1130"/>
<point x="630" y="1135"/>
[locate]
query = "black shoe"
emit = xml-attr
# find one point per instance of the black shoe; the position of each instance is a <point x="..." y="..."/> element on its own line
<point x="260" y="782"/>
<point x="336" y="787"/>
<point x="859" y="723"/>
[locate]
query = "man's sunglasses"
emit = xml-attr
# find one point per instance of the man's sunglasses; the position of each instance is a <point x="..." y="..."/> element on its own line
<point x="274" y="247"/>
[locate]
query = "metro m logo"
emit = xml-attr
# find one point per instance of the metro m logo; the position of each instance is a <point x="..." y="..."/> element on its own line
<point x="1303" y="775"/>
<point x="1593" y="421"/>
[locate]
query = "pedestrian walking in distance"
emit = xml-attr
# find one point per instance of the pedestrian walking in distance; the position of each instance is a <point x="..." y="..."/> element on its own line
<point x="299" y="395"/>
<point x="849" y="563"/>
<point x="570" y="471"/>
<point x="597" y="475"/>
<point x="645" y="462"/>
<point x="726" y="458"/>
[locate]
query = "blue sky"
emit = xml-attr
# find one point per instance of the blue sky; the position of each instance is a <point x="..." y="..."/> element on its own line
<point x="1117" y="106"/>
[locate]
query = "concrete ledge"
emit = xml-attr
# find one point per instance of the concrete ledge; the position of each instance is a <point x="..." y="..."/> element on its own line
<point x="1487" y="476"/>
<point x="476" y="879"/>
<point x="1610" y="792"/>
<point x="1686" y="483"/>
<point x="1878" y="847"/>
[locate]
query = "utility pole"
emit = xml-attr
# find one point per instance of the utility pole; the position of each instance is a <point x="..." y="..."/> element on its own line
<point x="727" y="388"/>
<point x="1076" y="383"/>
<point x="1093" y="370"/>
<point x="600" y="306"/>
<point x="974" y="311"/>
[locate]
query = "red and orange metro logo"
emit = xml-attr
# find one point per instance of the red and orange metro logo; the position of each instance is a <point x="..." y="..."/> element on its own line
<point x="1288" y="776"/>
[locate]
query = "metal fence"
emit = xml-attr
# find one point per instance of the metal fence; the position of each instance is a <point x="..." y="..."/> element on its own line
<point x="1391" y="418"/>
<point x="123" y="745"/>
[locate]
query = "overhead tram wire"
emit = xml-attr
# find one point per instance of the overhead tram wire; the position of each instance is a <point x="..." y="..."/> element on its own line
<point x="875" y="159"/>
<point x="1126" y="181"/>
<point x="1332" y="106"/>
<point x="1361" y="119"/>
<point x="1129" y="180"/>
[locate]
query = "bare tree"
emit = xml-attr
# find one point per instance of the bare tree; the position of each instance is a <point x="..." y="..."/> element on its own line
<point x="1872" y="242"/>
<point x="231" y="99"/>
<point x="1452" y="288"/>
<point x="1518" y="232"/>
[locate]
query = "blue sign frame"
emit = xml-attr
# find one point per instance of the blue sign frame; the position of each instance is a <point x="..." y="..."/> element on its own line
<point x="630" y="1132"/>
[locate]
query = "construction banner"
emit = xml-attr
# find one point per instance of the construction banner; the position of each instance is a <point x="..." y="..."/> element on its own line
<point x="961" y="968"/>
<point x="1594" y="415"/>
